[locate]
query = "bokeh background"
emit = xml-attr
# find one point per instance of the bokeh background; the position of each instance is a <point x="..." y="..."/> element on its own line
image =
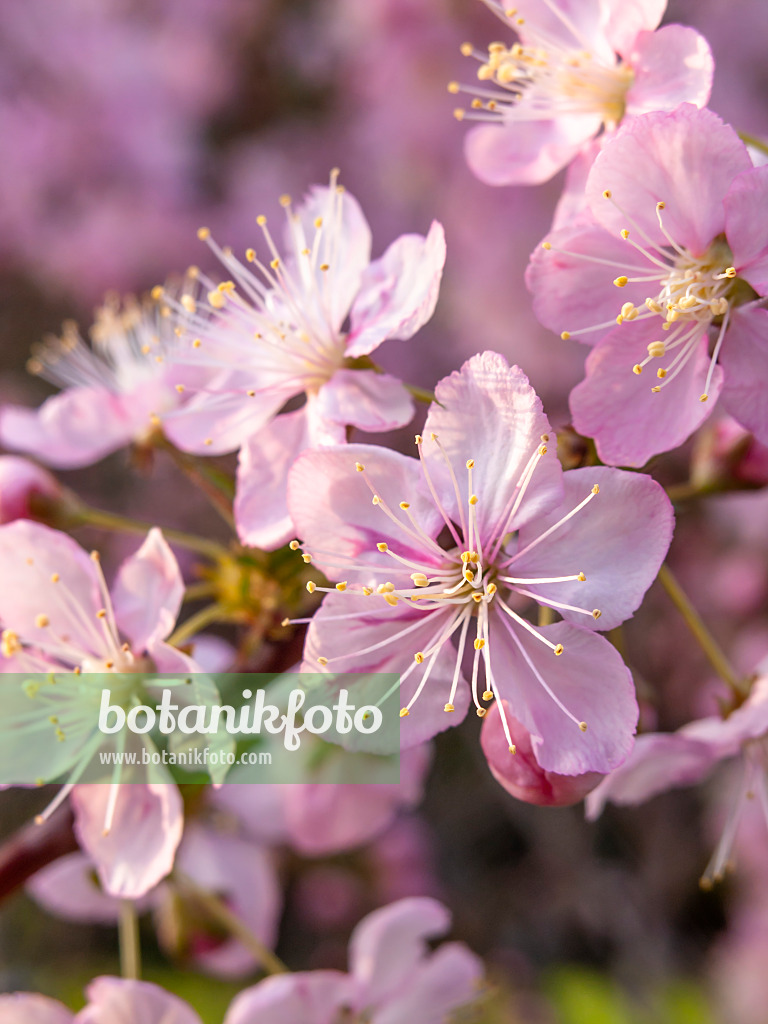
<point x="125" y="125"/>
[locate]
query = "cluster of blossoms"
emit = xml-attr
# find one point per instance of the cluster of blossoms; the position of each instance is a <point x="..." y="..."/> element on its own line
<point x="479" y="572"/>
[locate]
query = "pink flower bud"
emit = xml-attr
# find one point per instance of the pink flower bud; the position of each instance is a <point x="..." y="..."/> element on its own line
<point x="20" y="480"/>
<point x="520" y="773"/>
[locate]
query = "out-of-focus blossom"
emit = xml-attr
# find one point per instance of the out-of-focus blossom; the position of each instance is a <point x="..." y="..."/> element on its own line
<point x="110" y="1001"/>
<point x="577" y="69"/>
<point x="521" y="774"/>
<point x="392" y="976"/>
<point x="305" y="324"/>
<point x="116" y="390"/>
<point x="661" y="761"/>
<point x="676" y="231"/>
<point x="58" y="615"/>
<point x="487" y="471"/>
<point x="20" y="481"/>
<point x="726" y="455"/>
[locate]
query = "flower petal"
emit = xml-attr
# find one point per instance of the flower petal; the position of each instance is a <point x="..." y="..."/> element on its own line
<point x="627" y="18"/>
<point x="686" y="159"/>
<point x="30" y="1008"/>
<point x="628" y="421"/>
<point x="745" y="228"/>
<point x="68" y="889"/>
<point x="147" y="592"/>
<point x="488" y="412"/>
<point x="398" y="292"/>
<point x="745" y="363"/>
<point x="139" y="849"/>
<point x="448" y="979"/>
<point x="309" y="997"/>
<point x="588" y="678"/>
<point x="526" y="152"/>
<point x="365" y="399"/>
<point x="671" y="66"/>
<point x="117" y="1000"/>
<point x="618" y="540"/>
<point x="74" y="428"/>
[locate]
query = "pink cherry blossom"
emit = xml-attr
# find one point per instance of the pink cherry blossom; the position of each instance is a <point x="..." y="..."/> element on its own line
<point x="661" y="761"/>
<point x="20" y="481"/>
<point x="392" y="976"/>
<point x="296" y="328"/>
<point x="518" y="531"/>
<point x="116" y="390"/>
<point x="58" y="615"/>
<point x="671" y="257"/>
<point x="579" y="67"/>
<point x="110" y="1001"/>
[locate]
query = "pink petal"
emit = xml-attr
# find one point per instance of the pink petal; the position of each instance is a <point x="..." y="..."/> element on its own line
<point x="20" y="481"/>
<point x="658" y="762"/>
<point x="744" y="359"/>
<point x="314" y="997"/>
<point x="571" y="291"/>
<point x="526" y="152"/>
<point x="74" y="428"/>
<point x="30" y="1008"/>
<point x="520" y="773"/>
<point x="241" y="874"/>
<point x="30" y="556"/>
<point x="323" y="818"/>
<point x="365" y="399"/>
<point x="616" y="407"/>
<point x="118" y="1001"/>
<point x="67" y="889"/>
<point x="139" y="850"/>
<point x="147" y="592"/>
<point x="574" y="24"/>
<point x="331" y="505"/>
<point x="572" y="202"/>
<point x="261" y="509"/>
<point x="374" y="622"/>
<point x="349" y="254"/>
<point x="588" y="678"/>
<point x="389" y="944"/>
<point x="673" y="65"/>
<point x="448" y="979"/>
<point x="686" y="159"/>
<point x="626" y="18"/>
<point x="618" y="540"/>
<point x="489" y="412"/>
<point x="260" y="809"/>
<point x="398" y="292"/>
<point x="745" y="226"/>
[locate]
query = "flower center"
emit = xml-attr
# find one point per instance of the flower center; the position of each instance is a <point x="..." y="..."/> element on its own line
<point x="543" y="79"/>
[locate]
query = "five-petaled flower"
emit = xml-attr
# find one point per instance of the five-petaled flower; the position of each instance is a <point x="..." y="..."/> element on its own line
<point x="672" y="258"/>
<point x="455" y="544"/>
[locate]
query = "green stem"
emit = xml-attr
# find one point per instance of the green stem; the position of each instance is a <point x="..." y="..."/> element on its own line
<point x="191" y="626"/>
<point x="197" y="591"/>
<point x="130" y="947"/>
<point x="421" y="394"/>
<point x="104" y="520"/>
<point x="208" y="482"/>
<point x="754" y="141"/>
<point x="706" y="641"/>
<point x="219" y="913"/>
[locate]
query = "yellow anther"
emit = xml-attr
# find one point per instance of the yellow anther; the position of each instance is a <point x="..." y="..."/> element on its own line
<point x="359" y="467"/>
<point x="382" y="546"/>
<point x="367" y="591"/>
<point x="294" y="545"/>
<point x="391" y="599"/>
<point x="545" y="437"/>
<point x="433" y="436"/>
<point x="208" y="442"/>
<point x="196" y="343"/>
<point x="481" y="712"/>
<point x="188" y="303"/>
<point x="624" y="233"/>
<point x="656" y="390"/>
<point x="101" y="613"/>
<point x="627" y="310"/>
<point x="261" y="220"/>
<point x="157" y="292"/>
<point x="468" y="575"/>
<point x="660" y="373"/>
<point x="285" y="622"/>
<point x="477" y="598"/>
<point x="318" y="222"/>
<point x="180" y="388"/>
<point x="479" y="645"/>
<point x="453" y="87"/>
<point x="459" y="114"/>
<point x="55" y="578"/>
<point x="466" y="49"/>
<point x="513" y="749"/>
<point x="250" y="255"/>
<point x="10" y="643"/>
<point x="311" y="587"/>
<point x="619" y="319"/>
<point x="419" y="579"/>
<point x="405" y="505"/>
<point x="146" y="349"/>
<point x="41" y="621"/>
<point x="637" y="368"/>
<point x="596" y="488"/>
<point x="621" y="281"/>
<point x="418" y="657"/>
<point x="473" y="500"/>
<point x="730" y="272"/>
<point x="596" y="613"/>
<point x="565" y="335"/>
<point x="546" y="245"/>
<point x="581" y="578"/>
<point x="275" y="263"/>
<point x="250" y="393"/>
<point x="492" y="588"/>
<point x="375" y="500"/>
<point x="559" y="650"/>
<point x="657" y="349"/>
<point x="419" y="439"/>
<point x="449" y="707"/>
<point x="470" y="463"/>
<point x="341" y="587"/>
<point x="385" y="588"/>
<point x="216" y="299"/>
<point x="307" y="558"/>
<point x="476" y="103"/>
<point x="583" y="726"/>
<point x="488" y="695"/>
<point x="543" y="450"/>
<point x="607" y="194"/>
<point x="285" y="200"/>
<point x="404" y="712"/>
<point x="703" y="398"/>
<point x="203" y="233"/>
